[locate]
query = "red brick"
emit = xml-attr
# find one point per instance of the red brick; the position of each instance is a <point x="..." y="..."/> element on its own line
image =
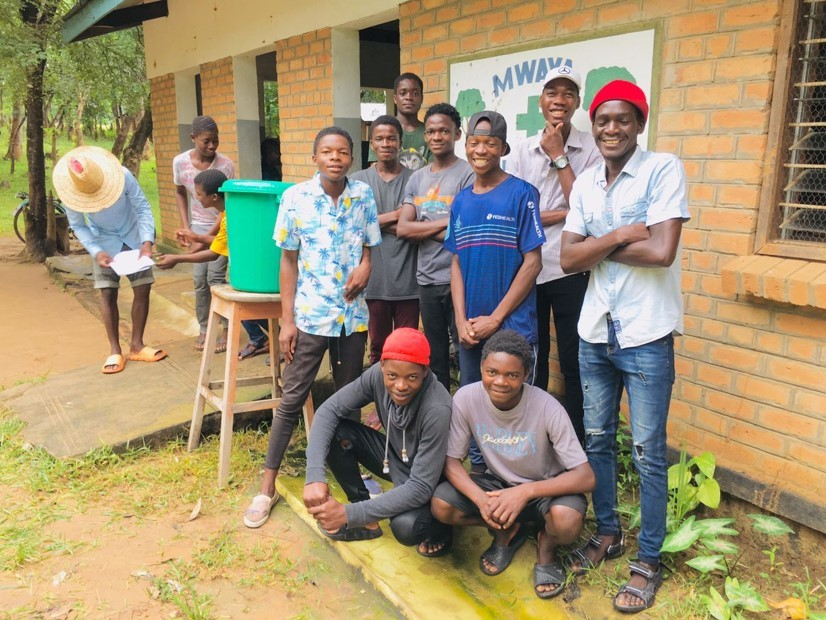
<point x="618" y="13"/>
<point x="524" y="12"/>
<point x="769" y="392"/>
<point x="740" y="69"/>
<point x="749" y="15"/>
<point x="714" y="376"/>
<point x="788" y="423"/>
<point x="808" y="455"/>
<point x="796" y="373"/>
<point x="756" y="40"/>
<point x="558" y="7"/>
<point x="708" y="147"/>
<point x="735" y="358"/>
<point x="749" y="120"/>
<point x="692" y="24"/>
<point x="713" y="95"/>
<point x="747" y="196"/>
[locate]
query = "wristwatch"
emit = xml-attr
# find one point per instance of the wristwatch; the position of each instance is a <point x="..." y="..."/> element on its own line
<point x="560" y="162"/>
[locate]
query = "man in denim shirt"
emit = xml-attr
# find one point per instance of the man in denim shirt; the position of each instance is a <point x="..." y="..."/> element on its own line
<point x="624" y="225"/>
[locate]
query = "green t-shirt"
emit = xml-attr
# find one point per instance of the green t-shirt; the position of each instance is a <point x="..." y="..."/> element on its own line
<point x="415" y="153"/>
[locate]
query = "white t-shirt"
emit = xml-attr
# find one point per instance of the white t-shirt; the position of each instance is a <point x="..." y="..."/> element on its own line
<point x="184" y="173"/>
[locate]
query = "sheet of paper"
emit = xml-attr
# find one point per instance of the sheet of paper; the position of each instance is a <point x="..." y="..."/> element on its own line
<point x="129" y="262"/>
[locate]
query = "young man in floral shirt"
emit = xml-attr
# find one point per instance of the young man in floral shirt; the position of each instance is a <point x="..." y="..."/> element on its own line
<point x="325" y="228"/>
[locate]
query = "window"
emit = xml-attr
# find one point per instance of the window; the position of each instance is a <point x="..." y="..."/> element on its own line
<point x="793" y="218"/>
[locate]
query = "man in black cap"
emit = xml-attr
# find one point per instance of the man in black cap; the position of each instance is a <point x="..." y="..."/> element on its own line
<point x="551" y="161"/>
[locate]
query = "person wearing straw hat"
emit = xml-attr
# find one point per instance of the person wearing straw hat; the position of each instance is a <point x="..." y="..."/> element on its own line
<point x="109" y="214"/>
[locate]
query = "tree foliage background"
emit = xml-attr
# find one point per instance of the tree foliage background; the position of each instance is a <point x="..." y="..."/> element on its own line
<point x="79" y="88"/>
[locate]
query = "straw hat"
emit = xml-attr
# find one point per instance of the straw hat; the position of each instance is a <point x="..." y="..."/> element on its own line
<point x="88" y="179"/>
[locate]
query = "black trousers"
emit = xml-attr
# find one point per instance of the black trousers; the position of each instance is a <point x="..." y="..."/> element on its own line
<point x="355" y="444"/>
<point x="564" y="296"/>
<point x="439" y="323"/>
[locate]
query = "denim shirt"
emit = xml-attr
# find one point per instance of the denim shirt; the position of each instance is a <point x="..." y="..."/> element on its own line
<point x="644" y="303"/>
<point x="128" y="222"/>
<point x="329" y="238"/>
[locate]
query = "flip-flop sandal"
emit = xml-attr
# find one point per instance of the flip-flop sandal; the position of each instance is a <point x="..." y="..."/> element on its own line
<point x="147" y="354"/>
<point x="501" y="557"/>
<point x="116" y="360"/>
<point x="221" y="346"/>
<point x="250" y="350"/>
<point x="199" y="342"/>
<point x="647" y="594"/>
<point x="446" y="541"/>
<point x="352" y="534"/>
<point x="613" y="551"/>
<point x="552" y="574"/>
<point x="259" y="510"/>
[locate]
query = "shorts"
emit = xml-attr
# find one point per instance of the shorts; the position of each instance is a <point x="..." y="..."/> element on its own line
<point x="105" y="277"/>
<point x="534" y="511"/>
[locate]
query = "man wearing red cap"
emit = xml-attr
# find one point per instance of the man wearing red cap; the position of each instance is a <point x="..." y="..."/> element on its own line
<point x="551" y="161"/>
<point x="624" y="225"/>
<point x="414" y="409"/>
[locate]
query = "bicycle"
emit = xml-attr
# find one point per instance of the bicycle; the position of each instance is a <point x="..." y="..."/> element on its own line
<point x="23" y="207"/>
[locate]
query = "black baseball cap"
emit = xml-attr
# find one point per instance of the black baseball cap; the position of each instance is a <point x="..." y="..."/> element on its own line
<point x="498" y="127"/>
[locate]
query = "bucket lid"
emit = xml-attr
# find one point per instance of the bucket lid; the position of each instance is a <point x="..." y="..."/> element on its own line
<point x="251" y="186"/>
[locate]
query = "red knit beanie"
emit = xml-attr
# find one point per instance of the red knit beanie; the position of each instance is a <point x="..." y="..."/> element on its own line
<point x="623" y="91"/>
<point x="407" y="345"/>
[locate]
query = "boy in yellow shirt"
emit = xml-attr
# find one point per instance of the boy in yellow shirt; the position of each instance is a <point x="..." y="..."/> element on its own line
<point x="207" y="185"/>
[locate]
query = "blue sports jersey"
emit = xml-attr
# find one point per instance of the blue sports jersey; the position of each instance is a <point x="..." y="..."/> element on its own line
<point x="490" y="232"/>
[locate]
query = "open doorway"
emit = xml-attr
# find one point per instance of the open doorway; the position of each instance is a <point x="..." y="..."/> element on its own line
<point x="268" y="116"/>
<point x="379" y="58"/>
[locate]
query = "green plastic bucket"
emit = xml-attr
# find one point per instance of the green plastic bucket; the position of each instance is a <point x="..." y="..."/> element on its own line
<point x="252" y="207"/>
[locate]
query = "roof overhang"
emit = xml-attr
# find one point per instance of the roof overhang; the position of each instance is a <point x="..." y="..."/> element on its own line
<point x="91" y="18"/>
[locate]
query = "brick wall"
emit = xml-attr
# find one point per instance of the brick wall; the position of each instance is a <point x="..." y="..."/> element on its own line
<point x="165" y="136"/>
<point x="751" y="373"/>
<point x="305" y="98"/>
<point x="218" y="101"/>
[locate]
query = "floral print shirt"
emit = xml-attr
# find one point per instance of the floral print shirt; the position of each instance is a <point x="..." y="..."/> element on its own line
<point x="329" y="239"/>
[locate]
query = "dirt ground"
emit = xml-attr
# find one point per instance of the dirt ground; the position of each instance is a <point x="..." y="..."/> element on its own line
<point x="100" y="561"/>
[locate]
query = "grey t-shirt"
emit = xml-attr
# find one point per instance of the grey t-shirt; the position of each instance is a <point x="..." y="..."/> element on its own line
<point x="393" y="272"/>
<point x="432" y="194"/>
<point x="533" y="441"/>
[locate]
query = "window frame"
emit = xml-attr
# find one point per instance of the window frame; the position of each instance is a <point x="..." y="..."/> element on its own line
<point x="767" y="239"/>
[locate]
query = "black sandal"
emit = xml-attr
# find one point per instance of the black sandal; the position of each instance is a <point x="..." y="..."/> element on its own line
<point x="446" y="540"/>
<point x="500" y="557"/>
<point x="647" y="594"/>
<point x="251" y="350"/>
<point x="352" y="534"/>
<point x="612" y="551"/>
<point x="547" y="575"/>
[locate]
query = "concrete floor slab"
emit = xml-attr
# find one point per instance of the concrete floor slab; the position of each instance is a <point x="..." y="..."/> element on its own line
<point x="451" y="586"/>
<point x="71" y="413"/>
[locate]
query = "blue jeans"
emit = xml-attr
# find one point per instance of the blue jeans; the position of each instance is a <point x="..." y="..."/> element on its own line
<point x="257" y="331"/>
<point x="647" y="374"/>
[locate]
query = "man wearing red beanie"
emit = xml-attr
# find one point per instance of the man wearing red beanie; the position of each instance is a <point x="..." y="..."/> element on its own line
<point x="624" y="225"/>
<point x="414" y="410"/>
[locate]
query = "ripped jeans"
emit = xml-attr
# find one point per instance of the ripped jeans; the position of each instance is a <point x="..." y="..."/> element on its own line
<point x="647" y="374"/>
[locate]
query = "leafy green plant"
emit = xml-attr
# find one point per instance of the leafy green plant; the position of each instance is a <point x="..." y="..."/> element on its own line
<point x="691" y="483"/>
<point x="738" y="598"/>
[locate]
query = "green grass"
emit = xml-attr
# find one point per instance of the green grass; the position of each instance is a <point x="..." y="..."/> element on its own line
<point x="19" y="181"/>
